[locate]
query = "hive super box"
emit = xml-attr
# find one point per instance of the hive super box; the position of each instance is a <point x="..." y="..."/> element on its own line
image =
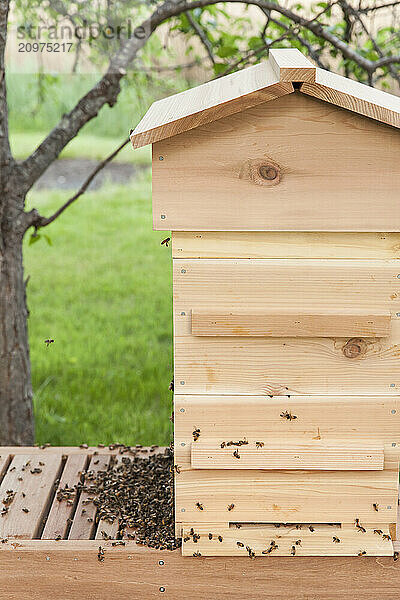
<point x="280" y="185"/>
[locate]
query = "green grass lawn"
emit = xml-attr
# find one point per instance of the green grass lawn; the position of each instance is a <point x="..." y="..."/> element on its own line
<point x="103" y="292"/>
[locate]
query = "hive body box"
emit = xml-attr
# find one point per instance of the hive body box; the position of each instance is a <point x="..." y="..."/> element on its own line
<point x="280" y="185"/>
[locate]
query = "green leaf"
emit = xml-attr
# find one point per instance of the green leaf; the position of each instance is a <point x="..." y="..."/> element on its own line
<point x="35" y="237"/>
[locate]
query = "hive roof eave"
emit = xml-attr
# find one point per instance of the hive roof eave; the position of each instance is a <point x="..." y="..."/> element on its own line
<point x="258" y="84"/>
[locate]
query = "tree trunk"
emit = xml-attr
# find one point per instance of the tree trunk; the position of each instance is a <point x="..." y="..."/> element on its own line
<point x="16" y="414"/>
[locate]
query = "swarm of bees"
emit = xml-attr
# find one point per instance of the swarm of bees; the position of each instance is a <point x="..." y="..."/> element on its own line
<point x="287" y="415"/>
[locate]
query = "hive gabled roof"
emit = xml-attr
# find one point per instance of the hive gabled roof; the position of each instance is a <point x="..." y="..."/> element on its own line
<point x="257" y="84"/>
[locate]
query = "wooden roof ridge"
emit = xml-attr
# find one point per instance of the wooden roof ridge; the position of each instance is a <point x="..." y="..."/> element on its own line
<point x="258" y="84"/>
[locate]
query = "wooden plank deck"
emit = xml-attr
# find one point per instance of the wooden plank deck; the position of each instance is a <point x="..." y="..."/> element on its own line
<point x="68" y="568"/>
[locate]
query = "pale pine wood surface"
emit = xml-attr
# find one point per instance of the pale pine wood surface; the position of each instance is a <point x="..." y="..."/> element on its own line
<point x="290" y="64"/>
<point x="354" y="96"/>
<point x="350" y="323"/>
<point x="57" y="522"/>
<point x="324" y="157"/>
<point x="33" y="492"/>
<point x="319" y="542"/>
<point x="84" y="522"/>
<point x="286" y="496"/>
<point x="208" y="102"/>
<point x="61" y="571"/>
<point x="316" y="456"/>
<point x="288" y="244"/>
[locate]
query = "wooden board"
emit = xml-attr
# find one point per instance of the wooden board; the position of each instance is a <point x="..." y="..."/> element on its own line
<point x="281" y="366"/>
<point x="344" y="323"/>
<point x="284" y="284"/>
<point x="30" y="482"/>
<point x="286" y="496"/>
<point x="354" y="96"/>
<point x="346" y="194"/>
<point x="316" y="456"/>
<point x="357" y="419"/>
<point x="288" y="244"/>
<point x="71" y="570"/>
<point x="209" y="101"/>
<point x="62" y="511"/>
<point x="84" y="526"/>
<point x="290" y="65"/>
<point x="286" y="539"/>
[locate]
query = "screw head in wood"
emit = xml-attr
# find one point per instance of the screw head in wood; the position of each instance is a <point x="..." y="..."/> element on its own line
<point x="161" y="563"/>
<point x="162" y="589"/>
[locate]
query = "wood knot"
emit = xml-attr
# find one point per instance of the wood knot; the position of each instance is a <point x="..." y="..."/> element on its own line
<point x="355" y="348"/>
<point x="263" y="171"/>
<point x="269" y="172"/>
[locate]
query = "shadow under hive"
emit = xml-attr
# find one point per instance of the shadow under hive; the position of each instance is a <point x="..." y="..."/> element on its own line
<point x="280" y="186"/>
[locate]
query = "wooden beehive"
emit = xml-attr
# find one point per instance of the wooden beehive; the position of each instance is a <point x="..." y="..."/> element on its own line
<point x="280" y="185"/>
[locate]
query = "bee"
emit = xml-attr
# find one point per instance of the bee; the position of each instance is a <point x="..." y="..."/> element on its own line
<point x="362" y="553"/>
<point x="48" y="342"/>
<point x="186" y="538"/>
<point x="396" y="555"/>
<point x="165" y="242"/>
<point x="272" y="546"/>
<point x="196" y="434"/>
<point x="171" y="385"/>
<point x="376" y="506"/>
<point x="298" y="526"/>
<point x="196" y="537"/>
<point x="311" y="528"/>
<point x="288" y="415"/>
<point x="36" y="471"/>
<point x="100" y="554"/>
<point x="223" y="444"/>
<point x="196" y="554"/>
<point x="336" y="540"/>
<point x="25" y="510"/>
<point x="58" y="538"/>
<point x="105" y="535"/>
<point x="250" y="552"/>
<point x="118" y="543"/>
<point x="386" y="537"/>
<point x="231" y="507"/>
<point x="293" y="550"/>
<point x="236" y="454"/>
<point x="237" y="525"/>
<point x="240" y="544"/>
<point x="177" y="468"/>
<point x="259" y="444"/>
<point x="41" y="464"/>
<point x="220" y="538"/>
<point x="298" y="542"/>
<point x="378" y="531"/>
<point x="210" y="536"/>
<point x="199" y="506"/>
<point x="359" y="526"/>
<point x="84" y="446"/>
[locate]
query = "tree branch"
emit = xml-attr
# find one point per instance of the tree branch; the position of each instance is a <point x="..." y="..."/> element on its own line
<point x="33" y="218"/>
<point x="201" y="34"/>
<point x="107" y="89"/>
